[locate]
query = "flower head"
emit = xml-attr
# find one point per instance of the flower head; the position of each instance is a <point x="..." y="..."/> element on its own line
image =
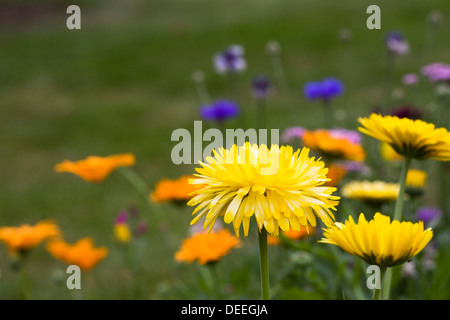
<point x="292" y="234"/>
<point x="373" y="192"/>
<point x="177" y="190"/>
<point x="261" y="86"/>
<point x="428" y="214"/>
<point x="396" y="43"/>
<point x="230" y="60"/>
<point x="437" y="71"/>
<point x="379" y="241"/>
<point x="220" y="110"/>
<point x="413" y="138"/>
<point x="325" y="90"/>
<point x="410" y="79"/>
<point x="94" y="168"/>
<point x="82" y="253"/>
<point x="334" y="144"/>
<point x="281" y="188"/>
<point x="292" y="133"/>
<point x="207" y="247"/>
<point x="25" y="237"/>
<point x="416" y="178"/>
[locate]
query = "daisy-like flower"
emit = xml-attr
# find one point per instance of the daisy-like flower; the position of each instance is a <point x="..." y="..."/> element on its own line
<point x="25" y="237"/>
<point x="334" y="145"/>
<point x="94" y="168"/>
<point x="409" y="138"/>
<point x="416" y="178"/>
<point x="388" y="153"/>
<point x="207" y="247"/>
<point x="82" y="253"/>
<point x="281" y="188"/>
<point x="372" y="192"/>
<point x="177" y="190"/>
<point x="379" y="241"/>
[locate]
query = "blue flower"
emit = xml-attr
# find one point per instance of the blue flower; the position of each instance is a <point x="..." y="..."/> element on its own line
<point x="230" y="60"/>
<point x="220" y="110"/>
<point x="326" y="89"/>
<point x="396" y="43"/>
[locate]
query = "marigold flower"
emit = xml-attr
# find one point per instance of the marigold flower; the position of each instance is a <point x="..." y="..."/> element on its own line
<point x="94" y="168"/>
<point x="82" y="253"/>
<point x="388" y="153"/>
<point x="292" y="234"/>
<point x="416" y="178"/>
<point x="410" y="138"/>
<point x="373" y="192"/>
<point x="25" y="237"/>
<point x="379" y="241"/>
<point x="332" y="145"/>
<point x="178" y="190"/>
<point x="207" y="247"/>
<point x="336" y="173"/>
<point x="282" y="189"/>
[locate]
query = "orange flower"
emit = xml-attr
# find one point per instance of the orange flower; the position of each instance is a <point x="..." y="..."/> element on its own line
<point x="207" y="247"/>
<point x="26" y="237"/>
<point x="321" y="140"/>
<point x="336" y="173"/>
<point x="292" y="234"/>
<point x="94" y="168"/>
<point x="82" y="253"/>
<point x="174" y="190"/>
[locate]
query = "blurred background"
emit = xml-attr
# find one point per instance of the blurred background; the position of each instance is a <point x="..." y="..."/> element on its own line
<point x="123" y="83"/>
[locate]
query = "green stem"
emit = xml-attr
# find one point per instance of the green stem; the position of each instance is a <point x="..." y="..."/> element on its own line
<point x="401" y="194"/>
<point x="264" y="268"/>
<point x="261" y="114"/>
<point x="377" y="292"/>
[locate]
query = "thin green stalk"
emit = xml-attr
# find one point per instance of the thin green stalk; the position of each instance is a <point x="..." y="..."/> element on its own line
<point x="261" y="114"/>
<point x="377" y="292"/>
<point x="263" y="264"/>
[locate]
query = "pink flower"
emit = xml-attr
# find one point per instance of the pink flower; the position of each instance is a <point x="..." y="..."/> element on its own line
<point x="437" y="71"/>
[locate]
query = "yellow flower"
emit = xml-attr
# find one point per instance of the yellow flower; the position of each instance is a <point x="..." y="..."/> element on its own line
<point x="371" y="191"/>
<point x="379" y="241"/>
<point x="25" y="237"/>
<point x="416" y="178"/>
<point x="282" y="189"/>
<point x="207" y="247"/>
<point x="178" y="190"/>
<point x="292" y="234"/>
<point x="122" y="232"/>
<point x="95" y="169"/>
<point x="321" y="140"/>
<point x="388" y="153"/>
<point x="410" y="138"/>
<point x="82" y="253"/>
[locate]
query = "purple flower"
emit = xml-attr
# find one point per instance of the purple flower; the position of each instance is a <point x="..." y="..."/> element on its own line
<point x="410" y="79"/>
<point x="407" y="112"/>
<point x="122" y="217"/>
<point x="293" y="133"/>
<point x="220" y="110"/>
<point x="396" y="43"/>
<point x="261" y="86"/>
<point x="437" y="71"/>
<point x="347" y="134"/>
<point x="428" y="214"/>
<point x="230" y="60"/>
<point x="326" y="89"/>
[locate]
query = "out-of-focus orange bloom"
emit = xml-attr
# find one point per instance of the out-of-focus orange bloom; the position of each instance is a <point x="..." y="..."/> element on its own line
<point x="82" y="253"/>
<point x="178" y="190"/>
<point x="94" y="168"/>
<point x="322" y="141"/>
<point x="292" y="234"/>
<point x="207" y="247"/>
<point x="335" y="172"/>
<point x="26" y="237"/>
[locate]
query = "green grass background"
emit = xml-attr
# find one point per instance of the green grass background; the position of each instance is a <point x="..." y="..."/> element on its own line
<point x="123" y="83"/>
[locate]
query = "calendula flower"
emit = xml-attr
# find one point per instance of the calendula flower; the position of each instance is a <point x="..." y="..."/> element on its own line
<point x="416" y="178"/>
<point x="177" y="190"/>
<point x="94" y="168"/>
<point x="281" y="188"/>
<point x="207" y="247"/>
<point x="388" y="153"/>
<point x="373" y="192"/>
<point x="333" y="145"/>
<point x="336" y="173"/>
<point x="26" y="237"/>
<point x="82" y="253"/>
<point x="410" y="138"/>
<point x="292" y="234"/>
<point x="379" y="241"/>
